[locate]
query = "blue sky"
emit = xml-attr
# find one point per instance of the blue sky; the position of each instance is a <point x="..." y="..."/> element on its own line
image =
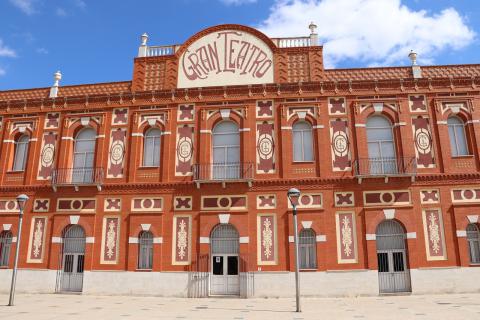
<point x="96" y="40"/>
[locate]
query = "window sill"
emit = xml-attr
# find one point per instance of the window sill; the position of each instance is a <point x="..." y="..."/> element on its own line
<point x="303" y="162"/>
<point x="15" y="171"/>
<point x="467" y="156"/>
<point x="143" y="270"/>
<point x="148" y="167"/>
<point x="308" y="270"/>
<point x="4" y="267"/>
<point x="475" y="265"/>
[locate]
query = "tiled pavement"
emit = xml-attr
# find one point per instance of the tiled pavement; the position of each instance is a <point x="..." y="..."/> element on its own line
<point x="60" y="306"/>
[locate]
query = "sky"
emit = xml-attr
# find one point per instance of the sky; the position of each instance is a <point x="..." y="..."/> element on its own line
<point x="92" y="41"/>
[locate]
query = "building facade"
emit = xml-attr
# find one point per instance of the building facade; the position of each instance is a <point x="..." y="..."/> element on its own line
<point x="175" y="183"/>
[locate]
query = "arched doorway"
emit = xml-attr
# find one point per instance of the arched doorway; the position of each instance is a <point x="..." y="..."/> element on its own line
<point x="224" y="264"/>
<point x="72" y="259"/>
<point x="393" y="274"/>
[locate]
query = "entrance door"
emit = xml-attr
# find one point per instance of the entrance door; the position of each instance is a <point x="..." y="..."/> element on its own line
<point x="73" y="257"/>
<point x="224" y="278"/>
<point x="393" y="274"/>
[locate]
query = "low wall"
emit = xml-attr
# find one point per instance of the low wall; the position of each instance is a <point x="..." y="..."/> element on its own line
<point x="29" y="280"/>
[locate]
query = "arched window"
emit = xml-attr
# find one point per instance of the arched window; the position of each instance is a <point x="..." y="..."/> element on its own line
<point x="458" y="139"/>
<point x="145" y="250"/>
<point x="21" y="153"/>
<point x="83" y="156"/>
<point x="307" y="249"/>
<point x="473" y="238"/>
<point x="5" y="245"/>
<point x="381" y="147"/>
<point x="226" y="151"/>
<point x="302" y="141"/>
<point x="151" y="148"/>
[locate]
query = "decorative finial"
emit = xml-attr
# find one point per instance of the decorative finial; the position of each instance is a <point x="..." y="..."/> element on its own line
<point x="413" y="57"/>
<point x="57" y="76"/>
<point x="144" y="38"/>
<point x="312" y="27"/>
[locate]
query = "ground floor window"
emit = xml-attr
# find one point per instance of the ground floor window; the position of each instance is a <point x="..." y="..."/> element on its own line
<point x="473" y="237"/>
<point x="145" y="250"/>
<point x="5" y="245"/>
<point x="307" y="249"/>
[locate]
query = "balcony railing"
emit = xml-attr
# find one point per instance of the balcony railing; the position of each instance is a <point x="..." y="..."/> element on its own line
<point x="223" y="172"/>
<point x="385" y="167"/>
<point x="293" y="42"/>
<point x="77" y="177"/>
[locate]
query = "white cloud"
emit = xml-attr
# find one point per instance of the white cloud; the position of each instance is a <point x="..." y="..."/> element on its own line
<point x="6" y="51"/>
<point x="2" y="72"/>
<point x="27" y="6"/>
<point x="370" y="31"/>
<point x="237" y="2"/>
<point x="80" y="3"/>
<point x="60" y="12"/>
<point x="41" y="51"/>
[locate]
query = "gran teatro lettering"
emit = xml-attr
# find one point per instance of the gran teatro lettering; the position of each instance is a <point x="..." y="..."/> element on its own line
<point x="226" y="57"/>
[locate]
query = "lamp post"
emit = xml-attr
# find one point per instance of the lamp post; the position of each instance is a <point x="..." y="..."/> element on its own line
<point x="293" y="196"/>
<point x="21" y="200"/>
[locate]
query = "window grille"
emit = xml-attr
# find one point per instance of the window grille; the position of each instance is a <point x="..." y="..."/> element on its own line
<point x="307" y="246"/>
<point x="226" y="151"/>
<point x="225" y="239"/>
<point x="5" y="245"/>
<point x="473" y="238"/>
<point x="145" y="250"/>
<point x="83" y="156"/>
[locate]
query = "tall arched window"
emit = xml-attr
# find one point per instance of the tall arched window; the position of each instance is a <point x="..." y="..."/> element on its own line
<point x="21" y="153"/>
<point x="381" y="147"/>
<point x="145" y="250"/>
<point x="226" y="151"/>
<point x="302" y="141"/>
<point x="83" y="156"/>
<point x="458" y="138"/>
<point x="151" y="148"/>
<point x="5" y="245"/>
<point x="473" y="238"/>
<point x="307" y="249"/>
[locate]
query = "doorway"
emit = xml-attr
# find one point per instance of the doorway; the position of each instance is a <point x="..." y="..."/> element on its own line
<point x="72" y="259"/>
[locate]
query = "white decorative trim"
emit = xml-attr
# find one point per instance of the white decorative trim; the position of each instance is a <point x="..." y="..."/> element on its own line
<point x="157" y="240"/>
<point x="389" y="214"/>
<point x="286" y="128"/>
<point x="74" y="219"/>
<point x="133" y="240"/>
<point x="9" y="141"/>
<point x="33" y="140"/>
<point x="401" y="123"/>
<point x="100" y="136"/>
<point x="370" y="237"/>
<point x="473" y="121"/>
<point x="204" y="240"/>
<point x="7" y="226"/>
<point x="223" y="218"/>
<point x="84" y="121"/>
<point x="411" y="235"/>
<point x="206" y="131"/>
<point x="307" y="224"/>
<point x="461" y="233"/>
<point x="360" y="125"/>
<point x="57" y="240"/>
<point x="145" y="226"/>
<point x="244" y="240"/>
<point x="321" y="238"/>
<point x="318" y="126"/>
<point x="165" y="133"/>
<point x="225" y="113"/>
<point x="90" y="239"/>
<point x="137" y="134"/>
<point x="472" y="218"/>
<point x="442" y="122"/>
<point x="67" y="138"/>
<point x="14" y="239"/>
<point x="291" y="239"/>
<point x="244" y="129"/>
<point x="378" y="106"/>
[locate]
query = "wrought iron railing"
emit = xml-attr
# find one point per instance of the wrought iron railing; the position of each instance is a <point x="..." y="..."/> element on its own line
<point x="77" y="177"/>
<point x="223" y="171"/>
<point x="385" y="167"/>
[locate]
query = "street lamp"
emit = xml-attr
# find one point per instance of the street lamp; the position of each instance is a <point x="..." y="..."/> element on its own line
<point x="21" y="200"/>
<point x="293" y="196"/>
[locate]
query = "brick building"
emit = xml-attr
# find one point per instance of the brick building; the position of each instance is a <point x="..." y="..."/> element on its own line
<point x="174" y="183"/>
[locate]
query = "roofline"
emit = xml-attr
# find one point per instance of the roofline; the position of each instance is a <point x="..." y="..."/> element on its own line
<point x="67" y="86"/>
<point x="401" y="67"/>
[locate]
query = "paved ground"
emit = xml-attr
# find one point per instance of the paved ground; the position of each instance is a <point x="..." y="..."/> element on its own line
<point x="57" y="306"/>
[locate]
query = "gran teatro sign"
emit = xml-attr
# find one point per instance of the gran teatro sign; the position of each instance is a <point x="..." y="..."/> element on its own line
<point x="227" y="57"/>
